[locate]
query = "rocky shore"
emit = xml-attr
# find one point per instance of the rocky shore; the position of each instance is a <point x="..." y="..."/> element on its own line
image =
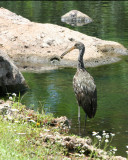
<point x="37" y="47"/>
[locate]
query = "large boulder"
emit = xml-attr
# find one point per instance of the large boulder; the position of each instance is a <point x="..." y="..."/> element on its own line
<point x="37" y="47"/>
<point x="11" y="79"/>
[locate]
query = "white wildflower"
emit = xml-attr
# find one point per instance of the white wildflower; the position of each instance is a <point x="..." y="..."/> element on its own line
<point x="113" y="152"/>
<point x="104" y="134"/>
<point x="103" y="131"/>
<point x="112" y="134"/>
<point x="100" y="151"/>
<point x="10" y="98"/>
<point x="107" y="136"/>
<point x="16" y="121"/>
<point x="14" y="94"/>
<point x="82" y="151"/>
<point x="32" y="121"/>
<point x="46" y="130"/>
<point x="21" y="133"/>
<point x="17" y="140"/>
<point x="114" y="149"/>
<point x="126" y="146"/>
<point x="127" y="152"/>
<point x="106" y="140"/>
<point x="94" y="133"/>
<point x="98" y="137"/>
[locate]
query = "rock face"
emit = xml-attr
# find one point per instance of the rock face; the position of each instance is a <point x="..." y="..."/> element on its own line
<point x="11" y="80"/>
<point x="33" y="45"/>
<point x="76" y="18"/>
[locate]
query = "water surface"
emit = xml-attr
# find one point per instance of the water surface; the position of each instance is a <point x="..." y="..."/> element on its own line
<point x="53" y="92"/>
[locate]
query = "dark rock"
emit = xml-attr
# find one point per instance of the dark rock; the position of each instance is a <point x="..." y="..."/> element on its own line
<point x="54" y="60"/>
<point x="67" y="138"/>
<point x="26" y="46"/>
<point x="11" y="79"/>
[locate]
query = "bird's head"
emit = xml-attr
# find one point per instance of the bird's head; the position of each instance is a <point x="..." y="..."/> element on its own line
<point x="77" y="45"/>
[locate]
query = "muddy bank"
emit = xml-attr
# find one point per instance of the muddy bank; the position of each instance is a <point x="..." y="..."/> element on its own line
<point x="32" y="46"/>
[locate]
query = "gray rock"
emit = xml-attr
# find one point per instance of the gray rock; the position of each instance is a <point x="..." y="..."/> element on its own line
<point x="11" y="79"/>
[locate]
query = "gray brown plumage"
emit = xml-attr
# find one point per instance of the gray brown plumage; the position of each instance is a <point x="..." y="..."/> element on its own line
<point x="83" y="84"/>
<point x="85" y="91"/>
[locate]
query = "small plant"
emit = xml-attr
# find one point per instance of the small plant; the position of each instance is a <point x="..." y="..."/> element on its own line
<point x="15" y="100"/>
<point x="12" y="97"/>
<point x="103" y="141"/>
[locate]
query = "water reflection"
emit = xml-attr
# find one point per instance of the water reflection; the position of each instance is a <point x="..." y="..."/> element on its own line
<point x="53" y="98"/>
<point x="75" y="22"/>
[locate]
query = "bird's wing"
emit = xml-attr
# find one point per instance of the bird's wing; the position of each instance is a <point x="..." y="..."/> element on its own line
<point x="85" y="91"/>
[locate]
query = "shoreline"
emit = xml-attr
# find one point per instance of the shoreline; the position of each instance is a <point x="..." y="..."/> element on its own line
<point x="59" y="64"/>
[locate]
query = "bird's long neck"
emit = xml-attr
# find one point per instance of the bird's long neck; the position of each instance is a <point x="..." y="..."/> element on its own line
<point x="80" y="59"/>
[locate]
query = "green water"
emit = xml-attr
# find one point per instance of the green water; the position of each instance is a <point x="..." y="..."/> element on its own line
<point x="53" y="90"/>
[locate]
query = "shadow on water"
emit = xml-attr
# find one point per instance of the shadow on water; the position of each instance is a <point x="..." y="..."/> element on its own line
<point x="55" y="92"/>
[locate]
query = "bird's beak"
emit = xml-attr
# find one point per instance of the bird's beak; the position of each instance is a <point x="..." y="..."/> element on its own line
<point x="69" y="50"/>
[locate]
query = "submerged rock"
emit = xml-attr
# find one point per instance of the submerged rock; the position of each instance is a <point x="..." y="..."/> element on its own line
<point x="76" y="18"/>
<point x="11" y="79"/>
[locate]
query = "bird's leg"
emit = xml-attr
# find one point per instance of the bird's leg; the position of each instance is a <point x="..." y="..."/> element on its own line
<point x="85" y="123"/>
<point x="79" y="128"/>
<point x="79" y="119"/>
<point x="79" y="114"/>
<point x="85" y="119"/>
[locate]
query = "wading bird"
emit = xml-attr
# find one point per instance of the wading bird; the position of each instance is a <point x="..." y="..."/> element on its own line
<point x="84" y="86"/>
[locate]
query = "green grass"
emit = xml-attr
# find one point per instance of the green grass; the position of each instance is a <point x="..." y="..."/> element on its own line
<point x="15" y="146"/>
<point x="20" y="139"/>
